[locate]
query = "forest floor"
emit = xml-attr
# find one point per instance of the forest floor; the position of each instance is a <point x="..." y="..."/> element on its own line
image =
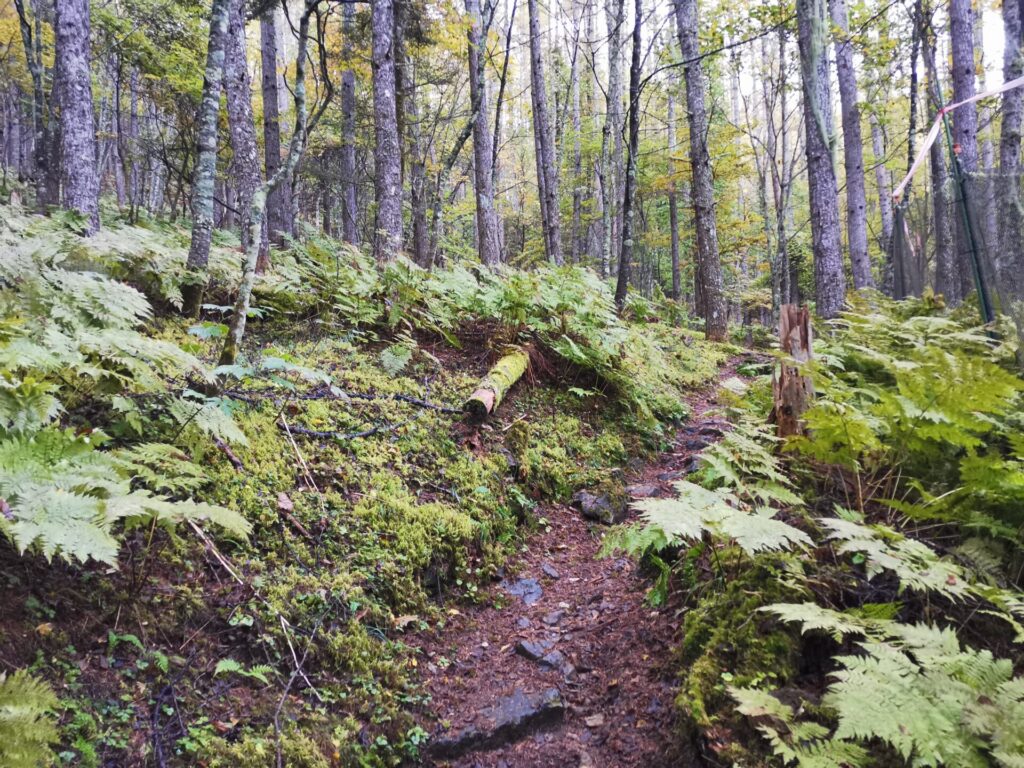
<point x="567" y="664"/>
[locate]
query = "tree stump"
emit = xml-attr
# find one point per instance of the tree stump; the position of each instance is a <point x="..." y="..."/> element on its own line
<point x="791" y="388"/>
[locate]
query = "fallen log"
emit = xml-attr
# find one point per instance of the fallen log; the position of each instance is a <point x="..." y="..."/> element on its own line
<point x="495" y="385"/>
<point x="792" y="389"/>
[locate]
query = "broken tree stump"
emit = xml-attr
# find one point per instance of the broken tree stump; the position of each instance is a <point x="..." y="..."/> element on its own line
<point x="492" y="388"/>
<point x="792" y="390"/>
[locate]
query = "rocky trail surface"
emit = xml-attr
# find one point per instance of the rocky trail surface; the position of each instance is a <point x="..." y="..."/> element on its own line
<point x="566" y="665"/>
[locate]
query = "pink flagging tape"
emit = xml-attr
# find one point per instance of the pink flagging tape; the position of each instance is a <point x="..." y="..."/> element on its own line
<point x="937" y="126"/>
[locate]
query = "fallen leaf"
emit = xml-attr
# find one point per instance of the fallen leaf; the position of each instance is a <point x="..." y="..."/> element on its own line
<point x="44" y="629"/>
<point x="284" y="503"/>
<point x="594" y="721"/>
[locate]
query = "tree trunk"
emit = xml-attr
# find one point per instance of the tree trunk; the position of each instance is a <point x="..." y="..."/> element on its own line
<point x="486" y="217"/>
<point x="78" y="127"/>
<point x="883" y="180"/>
<point x="1011" y="254"/>
<point x="829" y="279"/>
<point x="387" y="160"/>
<point x="965" y="127"/>
<point x="947" y="276"/>
<point x="547" y="171"/>
<point x="349" y="210"/>
<point x="245" y="160"/>
<point x="792" y="389"/>
<point x="578" y="236"/>
<point x="702" y="192"/>
<point x="626" y="253"/>
<point x="41" y="125"/>
<point x="615" y="17"/>
<point x="279" y="203"/>
<point x="853" y="152"/>
<point x="495" y="385"/>
<point x="206" y="161"/>
<point x="673" y="205"/>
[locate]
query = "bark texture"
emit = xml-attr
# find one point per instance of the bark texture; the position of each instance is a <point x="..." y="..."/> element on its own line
<point x="547" y="170"/>
<point x="702" y="192"/>
<point x="387" y="153"/>
<point x="853" y="151"/>
<point x="349" y="232"/>
<point x="883" y="180"/>
<point x="626" y="253"/>
<point x="673" y="204"/>
<point x="279" y="203"/>
<point x="204" y="177"/>
<point x="829" y="279"/>
<point x="483" y="147"/>
<point x="80" y="175"/>
<point x="965" y="130"/>
<point x="245" y="159"/>
<point x="1011" y="253"/>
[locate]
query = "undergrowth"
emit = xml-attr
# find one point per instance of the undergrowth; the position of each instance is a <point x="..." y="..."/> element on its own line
<point x="219" y="565"/>
<point x="852" y="596"/>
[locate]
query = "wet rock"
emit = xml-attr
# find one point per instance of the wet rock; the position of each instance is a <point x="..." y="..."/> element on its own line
<point x="528" y="589"/>
<point x="669" y="476"/>
<point x="533" y="650"/>
<point x="549" y="571"/>
<point x="523" y="623"/>
<point x="557" y="660"/>
<point x="601" y="508"/>
<point x="642" y="490"/>
<point x="554" y="618"/>
<point x="507" y="720"/>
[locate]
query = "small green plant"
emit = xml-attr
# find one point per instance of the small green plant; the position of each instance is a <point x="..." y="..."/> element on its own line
<point x="27" y="725"/>
<point x="232" y="667"/>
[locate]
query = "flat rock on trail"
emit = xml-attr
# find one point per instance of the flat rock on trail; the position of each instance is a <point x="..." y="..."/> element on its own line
<point x="574" y="669"/>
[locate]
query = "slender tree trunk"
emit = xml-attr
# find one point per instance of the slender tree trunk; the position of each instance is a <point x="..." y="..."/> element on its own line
<point x="245" y="160"/>
<point x="280" y="222"/>
<point x="78" y="125"/>
<point x="203" y="181"/>
<point x="483" y="147"/>
<point x="1011" y="253"/>
<point x="578" y="236"/>
<point x="947" y="279"/>
<point x="417" y="177"/>
<point x="615" y="16"/>
<point x="40" y="124"/>
<point x="965" y="127"/>
<point x="829" y="279"/>
<point x="349" y="210"/>
<point x="702" y="190"/>
<point x="883" y="180"/>
<point x="387" y="160"/>
<point x="547" y="170"/>
<point x="853" y="151"/>
<point x="626" y="254"/>
<point x="673" y="205"/>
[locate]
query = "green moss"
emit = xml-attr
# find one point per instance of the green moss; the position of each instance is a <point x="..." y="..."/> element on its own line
<point x="728" y="641"/>
<point x="259" y="750"/>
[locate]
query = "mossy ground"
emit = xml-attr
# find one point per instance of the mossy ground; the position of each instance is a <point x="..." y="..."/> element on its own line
<point x="355" y="541"/>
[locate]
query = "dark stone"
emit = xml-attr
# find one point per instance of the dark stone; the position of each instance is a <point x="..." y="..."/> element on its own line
<point x="507" y="720"/>
<point x="527" y="589"/>
<point x="696" y="444"/>
<point x="669" y="476"/>
<point x="642" y="490"/>
<point x="549" y="571"/>
<point x="553" y="618"/>
<point x="557" y="660"/>
<point x="534" y="651"/>
<point x="600" y="508"/>
<point x="523" y="623"/>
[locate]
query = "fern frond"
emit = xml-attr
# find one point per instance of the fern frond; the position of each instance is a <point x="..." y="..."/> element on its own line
<point x="27" y="727"/>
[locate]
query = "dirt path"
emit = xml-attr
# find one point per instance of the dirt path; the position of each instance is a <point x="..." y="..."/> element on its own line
<point x="575" y="670"/>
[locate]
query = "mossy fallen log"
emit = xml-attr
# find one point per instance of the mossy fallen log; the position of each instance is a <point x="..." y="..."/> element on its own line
<point x="493" y="387"/>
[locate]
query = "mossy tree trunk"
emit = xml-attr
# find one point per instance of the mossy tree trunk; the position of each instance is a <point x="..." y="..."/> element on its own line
<point x="495" y="385"/>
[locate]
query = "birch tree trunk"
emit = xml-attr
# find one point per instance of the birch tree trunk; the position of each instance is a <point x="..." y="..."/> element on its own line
<point x="829" y="279"/>
<point x="547" y="170"/>
<point x="702" y="192"/>
<point x="279" y="203"/>
<point x="483" y="147"/>
<point x="578" y="236"/>
<point x="204" y="178"/>
<point x="615" y="16"/>
<point x="673" y="205"/>
<point x="78" y="126"/>
<point x="853" y="151"/>
<point x="349" y="210"/>
<point x="245" y="160"/>
<point x="1011" y="254"/>
<point x="387" y="160"/>
<point x="626" y="253"/>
